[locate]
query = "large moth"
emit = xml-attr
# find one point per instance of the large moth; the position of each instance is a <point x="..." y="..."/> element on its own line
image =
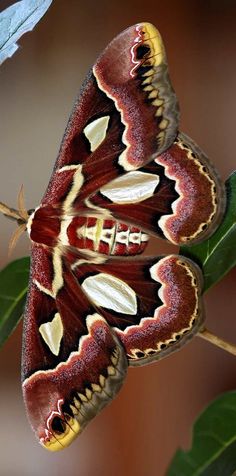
<point x="95" y="305"/>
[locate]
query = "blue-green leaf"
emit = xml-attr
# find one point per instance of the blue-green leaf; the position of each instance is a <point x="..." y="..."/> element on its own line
<point x="13" y="288"/>
<point x="17" y="20"/>
<point x="213" y="451"/>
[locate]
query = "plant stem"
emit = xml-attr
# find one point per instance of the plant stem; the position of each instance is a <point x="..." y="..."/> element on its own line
<point x="215" y="340"/>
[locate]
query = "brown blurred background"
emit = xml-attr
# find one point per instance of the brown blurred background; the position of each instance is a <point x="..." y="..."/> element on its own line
<point x="139" y="432"/>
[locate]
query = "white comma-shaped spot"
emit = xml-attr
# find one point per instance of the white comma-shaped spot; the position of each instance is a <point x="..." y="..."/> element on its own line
<point x="111" y="293"/>
<point x="132" y="187"/>
<point x="52" y="333"/>
<point x="96" y="131"/>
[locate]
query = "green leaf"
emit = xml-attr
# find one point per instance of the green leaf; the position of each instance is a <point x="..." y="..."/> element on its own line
<point x="217" y="256"/>
<point x="213" y="451"/>
<point x="13" y="288"/>
<point x="17" y="20"/>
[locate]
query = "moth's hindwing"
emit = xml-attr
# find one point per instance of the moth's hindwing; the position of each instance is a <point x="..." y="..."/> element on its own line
<point x="178" y="196"/>
<point x="153" y="304"/>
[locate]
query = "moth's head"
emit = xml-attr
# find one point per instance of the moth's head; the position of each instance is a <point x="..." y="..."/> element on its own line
<point x="53" y="420"/>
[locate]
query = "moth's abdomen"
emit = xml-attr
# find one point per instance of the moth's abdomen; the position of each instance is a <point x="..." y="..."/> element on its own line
<point x="49" y="227"/>
<point x="106" y="236"/>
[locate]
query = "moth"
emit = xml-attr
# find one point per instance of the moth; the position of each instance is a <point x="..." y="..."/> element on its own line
<point x="95" y="305"/>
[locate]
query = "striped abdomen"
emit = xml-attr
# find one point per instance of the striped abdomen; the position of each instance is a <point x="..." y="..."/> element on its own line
<point x="106" y="236"/>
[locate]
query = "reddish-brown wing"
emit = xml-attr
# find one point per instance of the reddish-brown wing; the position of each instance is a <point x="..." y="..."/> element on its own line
<point x="126" y="114"/>
<point x="72" y="363"/>
<point x="185" y="204"/>
<point x="153" y="304"/>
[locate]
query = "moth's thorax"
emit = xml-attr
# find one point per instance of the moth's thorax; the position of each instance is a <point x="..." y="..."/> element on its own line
<point x="50" y="227"/>
<point x="44" y="225"/>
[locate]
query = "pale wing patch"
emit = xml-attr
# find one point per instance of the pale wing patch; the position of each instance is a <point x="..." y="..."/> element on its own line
<point x="111" y="293"/>
<point x="58" y="280"/>
<point x="131" y="187"/>
<point x="96" y="131"/>
<point x="77" y="183"/>
<point x="52" y="333"/>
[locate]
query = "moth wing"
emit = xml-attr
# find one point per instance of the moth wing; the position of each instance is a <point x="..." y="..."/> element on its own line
<point x="153" y="304"/>
<point x="178" y="196"/>
<point x="73" y="364"/>
<point x="126" y="114"/>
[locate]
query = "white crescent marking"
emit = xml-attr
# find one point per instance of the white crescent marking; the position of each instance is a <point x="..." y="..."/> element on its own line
<point x="132" y="187"/>
<point x="111" y="293"/>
